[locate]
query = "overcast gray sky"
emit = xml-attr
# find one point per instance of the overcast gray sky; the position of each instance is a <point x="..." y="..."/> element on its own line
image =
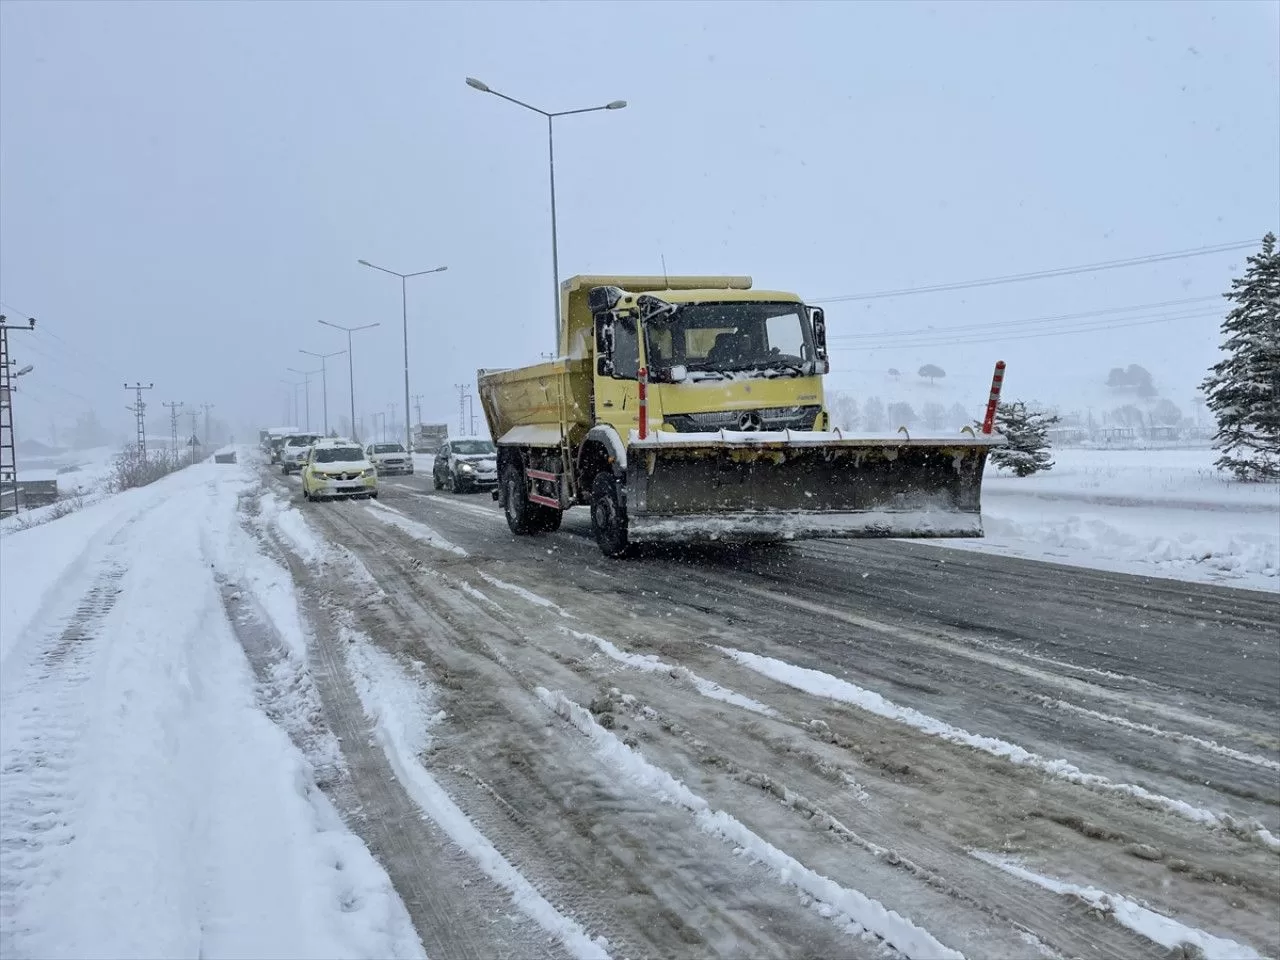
<point x="185" y="187"/>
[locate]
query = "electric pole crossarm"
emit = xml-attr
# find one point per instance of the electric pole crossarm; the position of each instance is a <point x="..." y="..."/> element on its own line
<point x="140" y="415"/>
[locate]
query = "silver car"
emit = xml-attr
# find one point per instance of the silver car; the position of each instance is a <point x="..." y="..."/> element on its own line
<point x="294" y="452"/>
<point x="389" y="458"/>
<point x="463" y="465"/>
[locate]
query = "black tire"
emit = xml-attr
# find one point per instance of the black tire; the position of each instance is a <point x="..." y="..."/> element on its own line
<point x="546" y="519"/>
<point x="435" y="481"/>
<point x="284" y="470"/>
<point x="450" y="482"/>
<point x="373" y="495"/>
<point x="305" y="496"/>
<point x="609" y="516"/>
<point x="515" y="491"/>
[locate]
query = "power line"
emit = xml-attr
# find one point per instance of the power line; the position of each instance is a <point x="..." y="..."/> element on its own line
<point x="994" y="338"/>
<point x="1043" y="274"/>
<point x="999" y="324"/>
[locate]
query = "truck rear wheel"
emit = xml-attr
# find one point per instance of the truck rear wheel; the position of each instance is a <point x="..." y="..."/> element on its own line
<point x="515" y="494"/>
<point x="608" y="515"/>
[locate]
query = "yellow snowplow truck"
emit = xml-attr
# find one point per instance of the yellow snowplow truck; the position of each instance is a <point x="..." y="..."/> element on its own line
<point x="691" y="409"/>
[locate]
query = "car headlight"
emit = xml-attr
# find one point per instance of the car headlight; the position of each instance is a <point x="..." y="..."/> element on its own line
<point x="466" y="468"/>
<point x="369" y="473"/>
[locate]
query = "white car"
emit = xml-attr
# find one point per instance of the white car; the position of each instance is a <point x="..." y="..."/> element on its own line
<point x="389" y="458"/>
<point x="294" y="452"/>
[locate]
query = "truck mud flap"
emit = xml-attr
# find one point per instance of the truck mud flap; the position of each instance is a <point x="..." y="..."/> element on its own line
<point x="784" y="492"/>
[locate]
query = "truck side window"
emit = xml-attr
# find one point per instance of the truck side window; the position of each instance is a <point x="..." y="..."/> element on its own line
<point x="626" y="350"/>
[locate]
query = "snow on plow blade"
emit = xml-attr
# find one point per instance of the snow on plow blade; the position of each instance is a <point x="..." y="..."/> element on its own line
<point x="787" y="486"/>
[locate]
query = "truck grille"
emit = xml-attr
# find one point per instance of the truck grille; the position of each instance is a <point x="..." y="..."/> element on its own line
<point x="771" y="418"/>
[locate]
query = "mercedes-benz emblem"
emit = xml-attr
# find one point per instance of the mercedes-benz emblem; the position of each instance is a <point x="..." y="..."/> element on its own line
<point x="750" y="421"/>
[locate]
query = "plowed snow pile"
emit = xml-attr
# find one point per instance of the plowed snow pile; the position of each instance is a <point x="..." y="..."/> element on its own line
<point x="1165" y="513"/>
<point x="149" y="806"/>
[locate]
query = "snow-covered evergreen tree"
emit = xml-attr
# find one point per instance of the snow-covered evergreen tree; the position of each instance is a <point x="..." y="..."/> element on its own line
<point x="1027" y="433"/>
<point x="1243" y="389"/>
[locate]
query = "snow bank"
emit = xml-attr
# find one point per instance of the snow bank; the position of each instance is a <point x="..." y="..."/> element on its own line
<point x="833" y="688"/>
<point x="1156" y="927"/>
<point x="402" y="714"/>
<point x="36" y="564"/>
<point x="1165" y="513"/>
<point x="150" y="807"/>
<point x="837" y="902"/>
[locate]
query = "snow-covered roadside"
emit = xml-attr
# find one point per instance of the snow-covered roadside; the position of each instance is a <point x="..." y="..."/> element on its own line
<point x="1163" y="513"/>
<point x="150" y="807"/>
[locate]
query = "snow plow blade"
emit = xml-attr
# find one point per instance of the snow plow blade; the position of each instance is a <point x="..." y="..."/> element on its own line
<point x="790" y="486"/>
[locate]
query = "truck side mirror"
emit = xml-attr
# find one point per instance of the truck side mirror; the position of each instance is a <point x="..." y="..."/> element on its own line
<point x="604" y="344"/>
<point x="819" y="322"/>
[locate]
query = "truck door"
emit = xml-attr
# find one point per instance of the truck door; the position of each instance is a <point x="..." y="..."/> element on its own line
<point x="618" y="394"/>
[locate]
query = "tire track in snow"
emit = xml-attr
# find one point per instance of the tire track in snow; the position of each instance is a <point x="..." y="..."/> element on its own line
<point x="42" y="722"/>
<point x="837" y="902"/>
<point x="824" y="685"/>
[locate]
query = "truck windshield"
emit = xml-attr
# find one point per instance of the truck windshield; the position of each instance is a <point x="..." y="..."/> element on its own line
<point x="717" y="339"/>
<point x="471" y="447"/>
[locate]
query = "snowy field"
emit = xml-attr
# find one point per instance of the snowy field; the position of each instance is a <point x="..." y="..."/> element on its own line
<point x="150" y="806"/>
<point x="1165" y="513"/>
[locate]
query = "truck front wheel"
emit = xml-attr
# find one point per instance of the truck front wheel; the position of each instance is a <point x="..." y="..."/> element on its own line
<point x="608" y="515"/>
<point x="515" y="493"/>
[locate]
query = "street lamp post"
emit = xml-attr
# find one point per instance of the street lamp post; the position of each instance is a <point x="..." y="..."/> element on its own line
<point x="404" y="315"/>
<point x="324" y="380"/>
<point x="551" y="157"/>
<point x="306" y="380"/>
<point x="351" y="377"/>
<point x="293" y="397"/>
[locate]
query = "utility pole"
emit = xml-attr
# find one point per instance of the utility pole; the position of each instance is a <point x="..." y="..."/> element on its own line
<point x="140" y="416"/>
<point x="208" y="437"/>
<point x="192" y="414"/>
<point x="417" y="404"/>
<point x="174" y="407"/>
<point x="8" y="447"/>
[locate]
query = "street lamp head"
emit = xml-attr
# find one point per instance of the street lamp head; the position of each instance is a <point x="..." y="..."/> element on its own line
<point x="475" y="84"/>
<point x="364" y="263"/>
<point x="615" y="105"/>
<point x="25" y="370"/>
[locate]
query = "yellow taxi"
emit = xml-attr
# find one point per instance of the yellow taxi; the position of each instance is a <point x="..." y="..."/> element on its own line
<point x="338" y="468"/>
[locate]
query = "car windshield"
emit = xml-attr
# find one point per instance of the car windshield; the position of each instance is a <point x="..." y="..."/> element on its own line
<point x="338" y="455"/>
<point x="388" y="448"/>
<point x="300" y="441"/>
<point x="722" y="338"/>
<point x="472" y="447"/>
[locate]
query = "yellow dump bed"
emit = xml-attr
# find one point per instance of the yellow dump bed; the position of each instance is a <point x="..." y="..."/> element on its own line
<point x="538" y="406"/>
